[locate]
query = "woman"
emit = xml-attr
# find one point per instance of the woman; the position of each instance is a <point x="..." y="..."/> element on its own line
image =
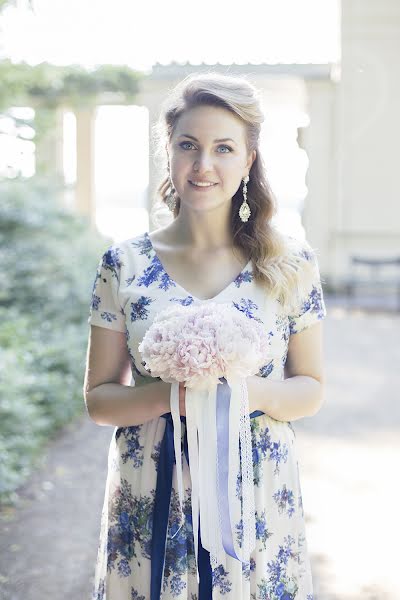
<point x="220" y="246"/>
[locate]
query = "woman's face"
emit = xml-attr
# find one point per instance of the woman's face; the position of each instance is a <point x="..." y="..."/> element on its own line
<point x="195" y="155"/>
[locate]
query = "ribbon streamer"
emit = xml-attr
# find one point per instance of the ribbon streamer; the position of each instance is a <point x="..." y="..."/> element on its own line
<point x="161" y="512"/>
<point x="212" y="455"/>
<point x="192" y="411"/>
<point x="223" y="451"/>
<point x="174" y="401"/>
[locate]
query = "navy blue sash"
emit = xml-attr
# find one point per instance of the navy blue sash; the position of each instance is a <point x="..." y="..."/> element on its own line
<point x="161" y="512"/>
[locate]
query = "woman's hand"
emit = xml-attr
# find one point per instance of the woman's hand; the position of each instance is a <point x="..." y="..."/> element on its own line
<point x="182" y="394"/>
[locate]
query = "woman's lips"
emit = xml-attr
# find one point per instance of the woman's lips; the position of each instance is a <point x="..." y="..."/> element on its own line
<point x="202" y="187"/>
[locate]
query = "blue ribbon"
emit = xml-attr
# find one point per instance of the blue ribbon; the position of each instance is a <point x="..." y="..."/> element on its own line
<point x="162" y="501"/>
<point x="223" y="402"/>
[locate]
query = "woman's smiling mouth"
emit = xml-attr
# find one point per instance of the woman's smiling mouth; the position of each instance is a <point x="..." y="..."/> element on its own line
<point x="200" y="185"/>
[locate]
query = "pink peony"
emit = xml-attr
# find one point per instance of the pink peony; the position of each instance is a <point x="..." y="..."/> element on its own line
<point x="200" y="344"/>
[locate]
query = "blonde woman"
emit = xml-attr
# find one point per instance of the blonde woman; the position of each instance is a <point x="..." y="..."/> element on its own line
<point x="219" y="246"/>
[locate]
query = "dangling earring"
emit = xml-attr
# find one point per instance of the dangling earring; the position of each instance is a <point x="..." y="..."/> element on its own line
<point x="170" y="199"/>
<point x="244" y="211"/>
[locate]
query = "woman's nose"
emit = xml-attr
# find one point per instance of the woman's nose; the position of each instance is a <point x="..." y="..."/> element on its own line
<point x="203" y="162"/>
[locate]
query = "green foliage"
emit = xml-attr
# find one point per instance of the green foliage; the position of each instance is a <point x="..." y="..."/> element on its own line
<point x="48" y="263"/>
<point x="71" y="85"/>
<point x="5" y="3"/>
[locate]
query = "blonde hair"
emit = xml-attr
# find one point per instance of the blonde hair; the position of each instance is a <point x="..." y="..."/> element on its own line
<point x="277" y="262"/>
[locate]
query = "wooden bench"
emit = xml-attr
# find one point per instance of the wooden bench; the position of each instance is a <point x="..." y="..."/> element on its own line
<point x="374" y="267"/>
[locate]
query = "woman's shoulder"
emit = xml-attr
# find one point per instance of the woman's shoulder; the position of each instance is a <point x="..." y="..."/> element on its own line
<point x="126" y="256"/>
<point x="300" y="250"/>
<point x="134" y="241"/>
<point x="301" y="255"/>
<point x="127" y="249"/>
<point x="297" y="245"/>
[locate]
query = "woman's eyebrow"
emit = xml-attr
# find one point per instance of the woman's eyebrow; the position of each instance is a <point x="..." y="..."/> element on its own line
<point x="196" y="140"/>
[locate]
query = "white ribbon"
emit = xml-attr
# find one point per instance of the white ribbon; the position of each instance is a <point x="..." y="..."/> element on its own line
<point x="193" y="399"/>
<point x="202" y="449"/>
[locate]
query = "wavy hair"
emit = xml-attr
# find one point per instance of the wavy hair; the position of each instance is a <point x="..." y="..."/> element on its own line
<point x="276" y="260"/>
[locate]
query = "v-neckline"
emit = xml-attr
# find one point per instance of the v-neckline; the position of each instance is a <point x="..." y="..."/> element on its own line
<point x="213" y="298"/>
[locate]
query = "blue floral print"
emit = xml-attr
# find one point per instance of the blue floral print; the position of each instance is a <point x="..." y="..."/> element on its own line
<point x="312" y="304"/>
<point x="220" y="580"/>
<point x="247" y="306"/>
<point x="179" y="555"/>
<point x="131" y="286"/>
<point x="262" y="532"/>
<point x="184" y="301"/>
<point x="285" y="500"/>
<point x="134" y="449"/>
<point x="155" y="273"/>
<point x="139" y="310"/>
<point x="244" y="277"/>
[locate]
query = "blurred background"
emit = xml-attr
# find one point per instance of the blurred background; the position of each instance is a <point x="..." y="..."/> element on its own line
<point x="81" y="84"/>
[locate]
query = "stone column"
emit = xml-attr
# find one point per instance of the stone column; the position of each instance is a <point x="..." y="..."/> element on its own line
<point x="151" y="95"/>
<point x="85" y="192"/>
<point x="317" y="140"/>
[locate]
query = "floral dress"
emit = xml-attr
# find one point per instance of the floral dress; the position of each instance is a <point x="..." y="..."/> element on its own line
<point x="131" y="286"/>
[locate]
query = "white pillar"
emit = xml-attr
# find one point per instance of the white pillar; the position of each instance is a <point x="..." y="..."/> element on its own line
<point x="368" y="127"/>
<point x="317" y="140"/>
<point x="85" y="193"/>
<point x="152" y="95"/>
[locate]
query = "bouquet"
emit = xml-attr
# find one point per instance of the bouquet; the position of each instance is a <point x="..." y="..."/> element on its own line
<point x="205" y="346"/>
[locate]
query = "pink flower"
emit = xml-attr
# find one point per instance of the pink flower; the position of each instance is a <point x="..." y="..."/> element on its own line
<point x="200" y="344"/>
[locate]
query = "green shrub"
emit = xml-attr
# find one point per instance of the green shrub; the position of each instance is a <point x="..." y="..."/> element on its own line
<point x="48" y="260"/>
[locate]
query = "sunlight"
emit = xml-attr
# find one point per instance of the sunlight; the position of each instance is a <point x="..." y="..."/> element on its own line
<point x="341" y="496"/>
<point x="121" y="149"/>
<point x="139" y="34"/>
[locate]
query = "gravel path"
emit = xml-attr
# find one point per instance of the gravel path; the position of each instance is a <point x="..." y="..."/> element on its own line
<point x="48" y="545"/>
<point x="348" y="457"/>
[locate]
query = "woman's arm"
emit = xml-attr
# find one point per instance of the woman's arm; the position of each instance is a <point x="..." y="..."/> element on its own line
<point x="301" y="393"/>
<point x="287" y="400"/>
<point x="124" y="405"/>
<point x="109" y="397"/>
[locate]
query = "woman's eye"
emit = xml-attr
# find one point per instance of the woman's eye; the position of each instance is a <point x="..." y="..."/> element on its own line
<point x="222" y="146"/>
<point x="183" y="143"/>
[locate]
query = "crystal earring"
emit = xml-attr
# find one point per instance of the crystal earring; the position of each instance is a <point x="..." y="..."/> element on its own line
<point x="170" y="199"/>
<point x="244" y="211"/>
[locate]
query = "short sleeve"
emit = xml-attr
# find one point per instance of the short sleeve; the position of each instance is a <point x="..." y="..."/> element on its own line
<point x="310" y="305"/>
<point x="105" y="309"/>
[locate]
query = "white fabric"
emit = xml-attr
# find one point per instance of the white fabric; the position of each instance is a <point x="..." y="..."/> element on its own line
<point x="203" y="458"/>
<point x="192" y="402"/>
<point x="249" y="538"/>
<point x="130" y="289"/>
<point x="176" y="419"/>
